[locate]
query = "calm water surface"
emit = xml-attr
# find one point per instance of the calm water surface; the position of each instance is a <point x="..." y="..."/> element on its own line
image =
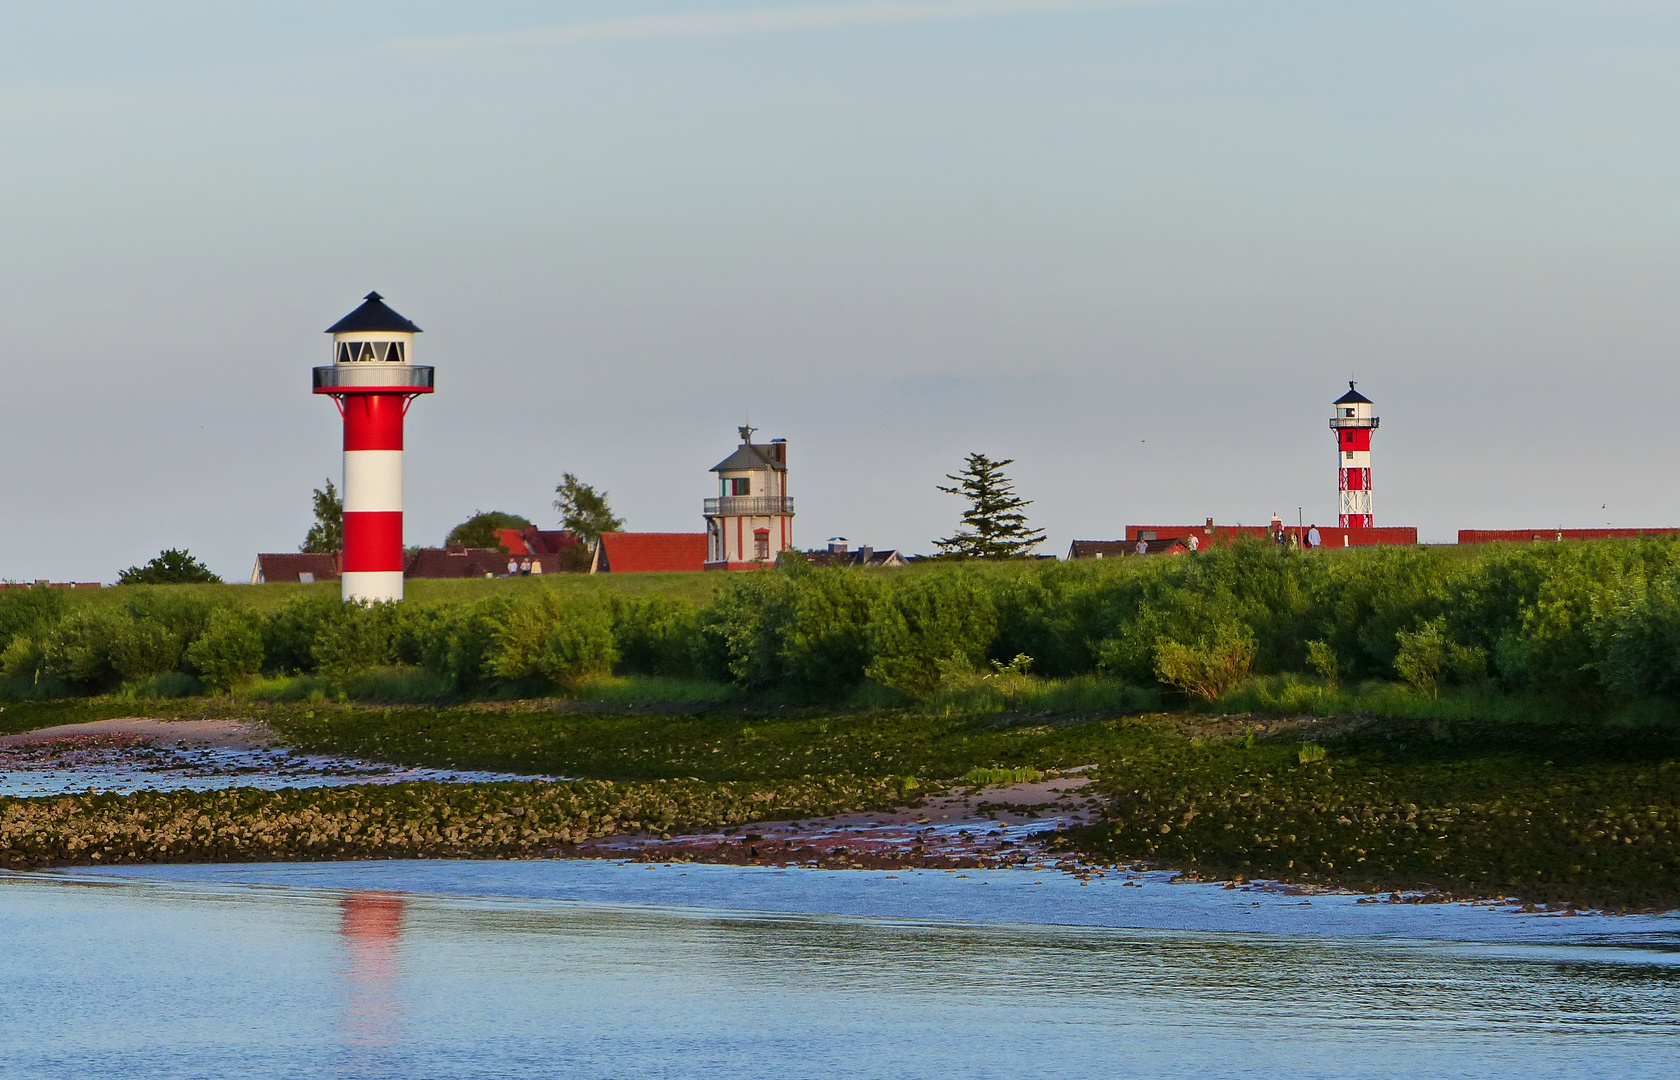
<point x="588" y="969"/>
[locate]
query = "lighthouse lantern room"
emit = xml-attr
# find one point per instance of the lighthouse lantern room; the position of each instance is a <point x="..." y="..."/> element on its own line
<point x="751" y="520"/>
<point x="373" y="379"/>
<point x="1352" y="425"/>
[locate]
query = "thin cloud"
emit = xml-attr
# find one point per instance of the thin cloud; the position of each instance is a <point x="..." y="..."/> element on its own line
<point x="758" y="21"/>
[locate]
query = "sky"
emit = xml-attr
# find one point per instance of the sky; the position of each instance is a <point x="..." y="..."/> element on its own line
<point x="1136" y="247"/>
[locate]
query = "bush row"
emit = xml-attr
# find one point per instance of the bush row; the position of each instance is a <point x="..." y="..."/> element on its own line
<point x="1580" y="618"/>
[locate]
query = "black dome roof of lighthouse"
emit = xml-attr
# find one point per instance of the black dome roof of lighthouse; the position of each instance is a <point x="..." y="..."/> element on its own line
<point x="1352" y="397"/>
<point x="372" y="317"/>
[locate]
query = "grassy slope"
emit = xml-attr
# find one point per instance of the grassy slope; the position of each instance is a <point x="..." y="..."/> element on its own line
<point x="696" y="587"/>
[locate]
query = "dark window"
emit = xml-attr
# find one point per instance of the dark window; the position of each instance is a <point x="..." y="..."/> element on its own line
<point x="740" y="485"/>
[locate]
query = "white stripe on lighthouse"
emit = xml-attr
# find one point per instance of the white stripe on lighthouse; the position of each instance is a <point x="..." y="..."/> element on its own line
<point x="373" y="481"/>
<point x="374" y="586"/>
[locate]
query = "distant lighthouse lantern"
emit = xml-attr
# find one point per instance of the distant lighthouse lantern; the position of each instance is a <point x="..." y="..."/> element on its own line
<point x="1352" y="425"/>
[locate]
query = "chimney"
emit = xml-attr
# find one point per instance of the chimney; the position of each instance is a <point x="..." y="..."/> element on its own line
<point x="778" y="450"/>
<point x="864" y="554"/>
<point x="1209" y="529"/>
<point x="837" y="545"/>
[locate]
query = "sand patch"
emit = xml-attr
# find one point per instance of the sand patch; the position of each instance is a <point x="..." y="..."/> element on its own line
<point x="229" y="734"/>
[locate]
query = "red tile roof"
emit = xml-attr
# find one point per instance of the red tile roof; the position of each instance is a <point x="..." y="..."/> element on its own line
<point x="288" y="566"/>
<point x="550" y="541"/>
<point x="514" y="541"/>
<point x="641" y="553"/>
<point x="1490" y="536"/>
<point x="456" y="562"/>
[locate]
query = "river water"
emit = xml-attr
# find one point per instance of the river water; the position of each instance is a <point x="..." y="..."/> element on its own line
<point x="601" y="969"/>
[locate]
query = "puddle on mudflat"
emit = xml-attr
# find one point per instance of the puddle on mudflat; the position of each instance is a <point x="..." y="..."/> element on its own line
<point x="126" y="765"/>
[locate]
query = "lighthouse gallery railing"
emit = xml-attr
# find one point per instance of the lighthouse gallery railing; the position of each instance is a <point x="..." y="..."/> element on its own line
<point x="370" y="374"/>
<point x="749" y="505"/>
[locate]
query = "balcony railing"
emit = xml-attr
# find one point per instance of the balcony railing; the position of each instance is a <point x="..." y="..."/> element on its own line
<point x="368" y="374"/>
<point x="1353" y="421"/>
<point x="749" y="506"/>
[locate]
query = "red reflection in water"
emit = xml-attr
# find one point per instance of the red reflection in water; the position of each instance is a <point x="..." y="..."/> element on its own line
<point x="371" y="925"/>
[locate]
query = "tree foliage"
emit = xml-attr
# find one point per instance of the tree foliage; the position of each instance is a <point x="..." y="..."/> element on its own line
<point x="584" y="510"/>
<point x="326" y="536"/>
<point x="994" y="526"/>
<point x="171" y="567"/>
<point x="483" y="529"/>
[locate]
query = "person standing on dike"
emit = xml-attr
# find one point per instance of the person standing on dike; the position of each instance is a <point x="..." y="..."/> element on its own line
<point x="1313" y="539"/>
<point x="1192" y="543"/>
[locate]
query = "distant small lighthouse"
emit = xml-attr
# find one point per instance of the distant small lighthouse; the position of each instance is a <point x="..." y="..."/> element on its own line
<point x="751" y="520"/>
<point x="1353" y="424"/>
<point x="372" y="380"/>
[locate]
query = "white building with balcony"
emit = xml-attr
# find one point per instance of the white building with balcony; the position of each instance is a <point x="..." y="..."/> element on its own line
<point x="751" y="520"/>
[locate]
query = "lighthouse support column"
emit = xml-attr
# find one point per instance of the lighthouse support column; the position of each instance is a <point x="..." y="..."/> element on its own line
<point x="373" y="497"/>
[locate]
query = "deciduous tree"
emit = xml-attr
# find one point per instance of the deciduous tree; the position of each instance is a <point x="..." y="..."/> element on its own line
<point x="584" y="510"/>
<point x="483" y="529"/>
<point x="326" y="536"/>
<point x="171" y="567"/>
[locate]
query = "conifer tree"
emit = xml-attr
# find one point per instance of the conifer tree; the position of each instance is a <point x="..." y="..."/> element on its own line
<point x="995" y="527"/>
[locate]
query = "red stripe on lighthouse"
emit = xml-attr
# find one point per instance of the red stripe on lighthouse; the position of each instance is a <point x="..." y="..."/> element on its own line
<point x="373" y="541"/>
<point x="373" y="421"/>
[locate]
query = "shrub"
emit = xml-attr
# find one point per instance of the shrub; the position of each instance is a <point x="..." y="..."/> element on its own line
<point x="230" y="650"/>
<point x="1321" y="658"/>
<point x="78" y="649"/>
<point x="183" y="613"/>
<point x="289" y="633"/>
<point x="141" y="648"/>
<point x="1428" y="657"/>
<point x="655" y="635"/>
<point x="31" y="611"/>
<point x="23" y="659"/>
<point x="358" y="640"/>
<point x="562" y="642"/>
<point x="1641" y="640"/>
<point x="920" y="629"/>
<point x="1211" y="668"/>
<point x="460" y="645"/>
<point x="824" y="642"/>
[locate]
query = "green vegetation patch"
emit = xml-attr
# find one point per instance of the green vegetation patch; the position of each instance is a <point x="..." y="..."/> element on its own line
<point x="406" y="821"/>
<point x="722" y="746"/>
<point x="1582" y="815"/>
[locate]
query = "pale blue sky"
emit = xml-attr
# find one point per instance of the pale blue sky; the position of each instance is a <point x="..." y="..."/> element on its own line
<point x="1138" y="247"/>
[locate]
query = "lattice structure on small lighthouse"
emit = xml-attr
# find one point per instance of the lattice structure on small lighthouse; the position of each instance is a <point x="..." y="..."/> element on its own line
<point x="751" y="520"/>
<point x="1352" y="425"/>
<point x="373" y="379"/>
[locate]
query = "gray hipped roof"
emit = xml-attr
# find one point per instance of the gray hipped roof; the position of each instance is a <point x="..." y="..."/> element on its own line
<point x="747" y="456"/>
<point x="372" y="317"/>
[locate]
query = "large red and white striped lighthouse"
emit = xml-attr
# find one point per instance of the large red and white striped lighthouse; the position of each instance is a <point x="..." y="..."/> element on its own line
<point x="373" y="379"/>
<point x="1353" y="424"/>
